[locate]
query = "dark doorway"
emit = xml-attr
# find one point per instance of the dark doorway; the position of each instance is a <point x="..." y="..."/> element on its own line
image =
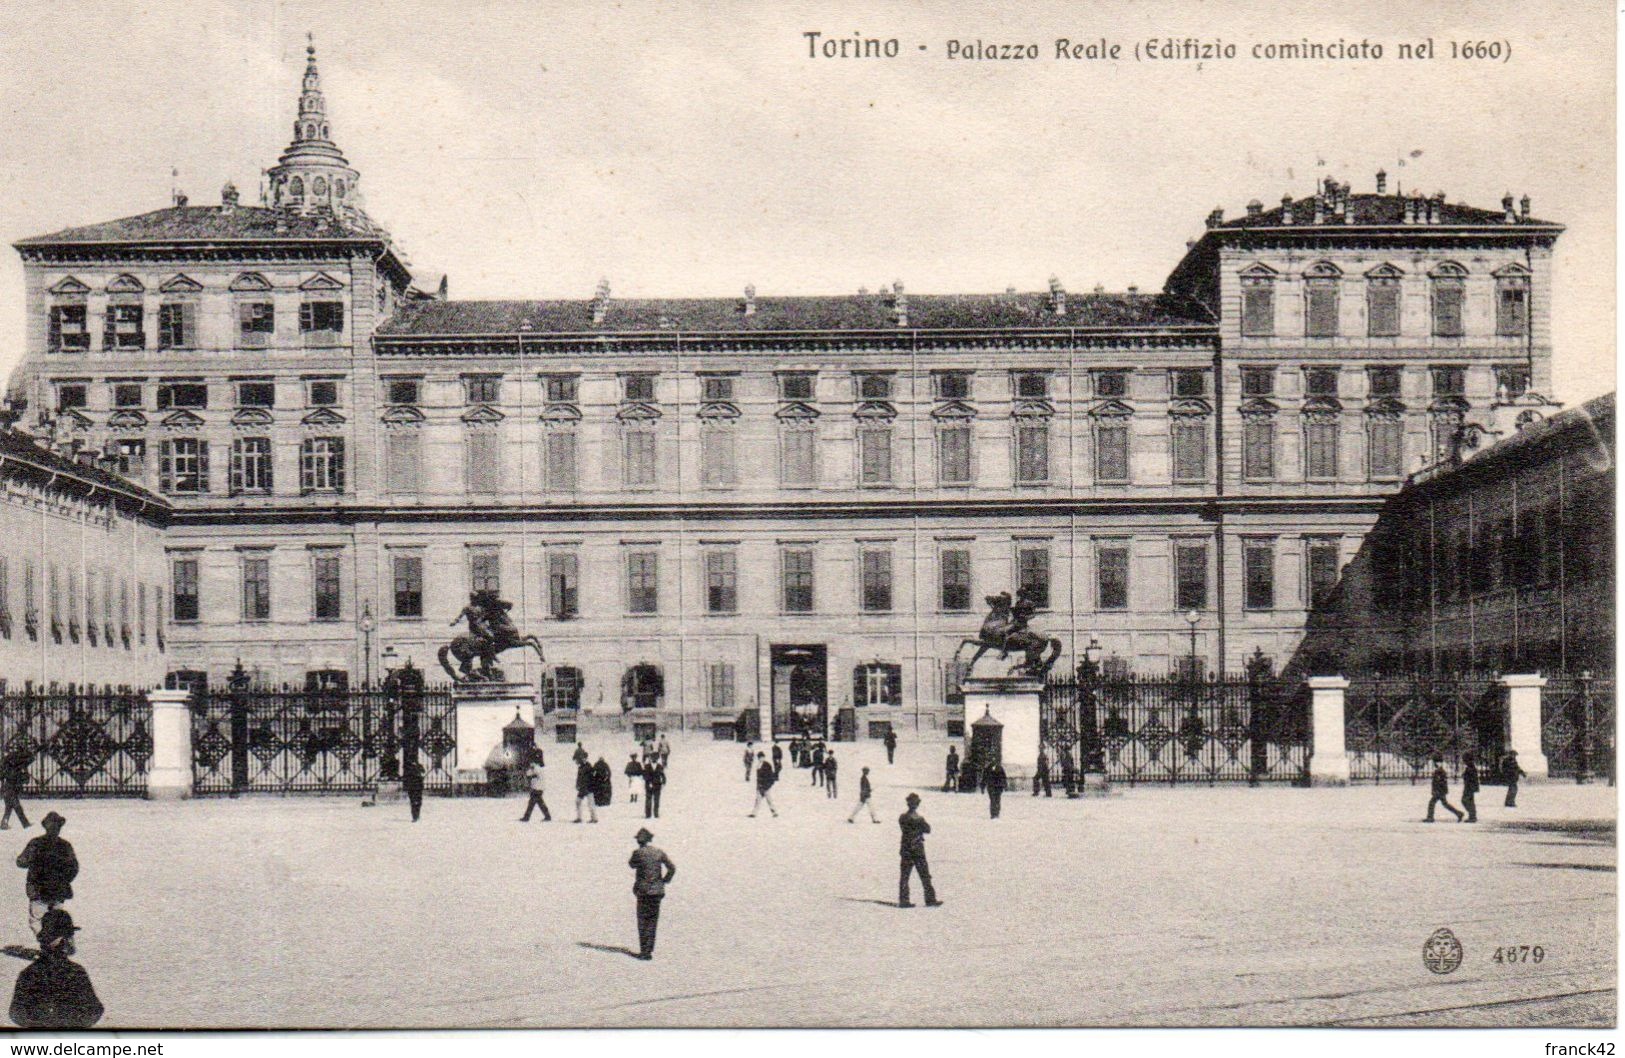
<point x="800" y="691"/>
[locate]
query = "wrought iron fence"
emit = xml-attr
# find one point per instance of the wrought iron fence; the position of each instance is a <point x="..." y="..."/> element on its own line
<point x="1249" y="728"/>
<point x="1577" y="726"/>
<point x="78" y="741"/>
<point x="258" y="739"/>
<point x="1394" y="725"/>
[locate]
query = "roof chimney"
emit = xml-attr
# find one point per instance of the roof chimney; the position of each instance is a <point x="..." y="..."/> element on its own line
<point x="1254" y="208"/>
<point x="899" y="303"/>
<point x="600" y="301"/>
<point x="1215" y="218"/>
<point x="1436" y="208"/>
<point x="1523" y="208"/>
<point x="1320" y="209"/>
<point x="1382" y="182"/>
<point x="179" y="197"/>
<point x="1133" y="288"/>
<point x="1286" y="209"/>
<point x="1010" y="289"/>
<point x="1509" y="216"/>
<point x="228" y="197"/>
<point x="863" y="291"/>
<point x="750" y="299"/>
<point x="1100" y="288"/>
<point x="444" y="292"/>
<point x="1057" y="296"/>
<point x="1190" y="244"/>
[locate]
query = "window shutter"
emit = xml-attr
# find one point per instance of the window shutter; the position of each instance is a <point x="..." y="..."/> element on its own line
<point x="894" y="684"/>
<point x="307" y="316"/>
<point x="203" y="466"/>
<point x="188" y="324"/>
<point x="166" y="466"/>
<point x="337" y="456"/>
<point x="860" y="687"/>
<point x="237" y="456"/>
<point x="56" y="327"/>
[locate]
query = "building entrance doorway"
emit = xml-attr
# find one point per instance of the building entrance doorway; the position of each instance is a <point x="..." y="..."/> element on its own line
<point x="800" y="691"/>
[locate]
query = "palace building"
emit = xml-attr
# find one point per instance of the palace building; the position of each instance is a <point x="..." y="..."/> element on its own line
<point x="746" y="507"/>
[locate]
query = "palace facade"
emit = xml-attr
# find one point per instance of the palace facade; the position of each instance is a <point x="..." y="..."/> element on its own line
<point x="739" y="506"/>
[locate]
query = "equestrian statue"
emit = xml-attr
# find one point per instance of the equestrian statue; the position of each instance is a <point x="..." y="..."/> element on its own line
<point x="1005" y="630"/>
<point x="490" y="632"/>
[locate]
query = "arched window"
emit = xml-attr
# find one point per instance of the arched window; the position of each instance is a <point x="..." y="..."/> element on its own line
<point x="318" y="187"/>
<point x="324" y="130"/>
<point x="296" y="188"/>
<point x="338" y="188"/>
<point x="642" y="687"/>
<point x="310" y="132"/>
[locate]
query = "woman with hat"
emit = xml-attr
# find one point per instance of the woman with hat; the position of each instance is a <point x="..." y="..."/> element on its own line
<point x="53" y="991"/>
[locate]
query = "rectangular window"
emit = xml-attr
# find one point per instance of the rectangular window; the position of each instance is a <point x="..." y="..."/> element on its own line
<point x="71" y="395"/>
<point x="141" y="612"/>
<point x="798" y="453"/>
<point x="561" y="460"/>
<point x="182" y="395"/>
<point x="127" y="395"/>
<point x="1032" y="574"/>
<point x="953" y="453"/>
<point x="875" y="577"/>
<point x="321" y="464"/>
<point x="1320" y="381"/>
<point x="643" y="582"/>
<point x="1032" y="453"/>
<point x="638" y="464"/>
<point x="1190" y="448"/>
<point x="403" y="459"/>
<point x="639" y="388"/>
<point x="956" y="584"/>
<point x="1258" y="448"/>
<point x="184" y="576"/>
<point x="1324" y="568"/>
<point x="1257" y="381"/>
<point x="797" y="564"/>
<point x="1448" y="295"/>
<point x="874" y="387"/>
<point x="1111" y="577"/>
<point x="716" y="387"/>
<point x="70" y="331"/>
<point x="323" y="393"/>
<point x="563" y="580"/>
<point x="721" y="582"/>
<point x="1032" y="385"/>
<point x="251" y="465"/>
<point x="1320" y="438"/>
<point x="1387" y="447"/>
<point x="402" y="390"/>
<point x="482" y="389"/>
<point x="874" y="451"/>
<point x="321" y="321"/>
<point x="130" y="454"/>
<point x="481" y="459"/>
<point x="256" y="323"/>
<point x="485" y="570"/>
<point x="124" y="327"/>
<point x="1111" y="383"/>
<point x="1258" y="574"/>
<point x="1512" y="308"/>
<point x="324" y="575"/>
<point x="1190" y="383"/>
<point x="1321" y="311"/>
<point x="1449" y="381"/>
<point x="1383" y="381"/>
<point x="1511" y="381"/>
<point x="184" y="466"/>
<point x="256" y="588"/>
<point x="1190" y="573"/>
<point x="951" y="385"/>
<point x="256" y="394"/>
<point x="562" y="389"/>
<point x="719" y="686"/>
<point x="177" y="325"/>
<point x="1382" y="308"/>
<point x="1257" y="308"/>
<point x="406" y="575"/>
<point x="877" y="683"/>
<point x="795" y="387"/>
<point x="718" y="468"/>
<point x="1111" y="450"/>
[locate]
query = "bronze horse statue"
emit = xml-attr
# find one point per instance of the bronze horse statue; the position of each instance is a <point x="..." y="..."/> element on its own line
<point x="491" y="632"/>
<point x="1005" y="630"/>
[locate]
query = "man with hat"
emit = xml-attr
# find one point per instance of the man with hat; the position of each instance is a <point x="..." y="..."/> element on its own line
<point x="654" y="869"/>
<point x="51" y="867"/>
<point x="53" y="991"/>
<point x="914" y="828"/>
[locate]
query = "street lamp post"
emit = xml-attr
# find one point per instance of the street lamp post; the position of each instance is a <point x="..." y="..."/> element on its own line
<point x="367" y="625"/>
<point x="1191" y="618"/>
<point x="1092" y="751"/>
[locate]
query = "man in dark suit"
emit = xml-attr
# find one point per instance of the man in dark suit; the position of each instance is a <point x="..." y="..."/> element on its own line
<point x="766" y="776"/>
<point x="52" y="867"/>
<point x="654" y="870"/>
<point x="912" y="850"/>
<point x="1441" y="791"/>
<point x="995" y="780"/>
<point x="412" y="783"/>
<point x="1469" y="787"/>
<point x="950" y="780"/>
<point x="586" y="786"/>
<point x="778" y="760"/>
<point x="891" y="746"/>
<point x="654" y="780"/>
<point x="1513" y="773"/>
<point x="1041" y="776"/>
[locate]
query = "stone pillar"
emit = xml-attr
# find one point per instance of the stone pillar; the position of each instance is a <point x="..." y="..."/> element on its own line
<point x="483" y="709"/>
<point x="1013" y="702"/>
<point x="1523" y="725"/>
<point x="1328" y="759"/>
<point x="169" y="774"/>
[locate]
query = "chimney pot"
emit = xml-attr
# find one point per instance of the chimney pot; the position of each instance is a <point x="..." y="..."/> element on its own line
<point x="1057" y="296"/>
<point x="1523" y="207"/>
<point x="1011" y="289"/>
<point x="1320" y="209"/>
<point x="1510" y="215"/>
<point x="180" y="197"/>
<point x="1382" y="182"/>
<point x="600" y="301"/>
<point x="750" y="299"/>
<point x="1254" y="208"/>
<point x="1133" y="288"/>
<point x="1286" y="209"/>
<point x="1100" y="288"/>
<point x="863" y="291"/>
<point x="1215" y="218"/>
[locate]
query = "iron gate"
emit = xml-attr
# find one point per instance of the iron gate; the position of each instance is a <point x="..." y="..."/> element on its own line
<point x="256" y="739"/>
<point x="1191" y="728"/>
<point x="80" y="742"/>
<point x="1577" y="726"/>
<point x="1394" y="725"/>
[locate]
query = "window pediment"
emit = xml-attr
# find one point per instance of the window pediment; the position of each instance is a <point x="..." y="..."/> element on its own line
<point x="637" y="412"/>
<point x="182" y="420"/>
<point x="1384" y="271"/>
<point x="482" y="414"/>
<point x="561" y="413"/>
<point x="719" y="410"/>
<point x="70" y="287"/>
<point x="250" y="282"/>
<point x="1259" y="406"/>
<point x="1190" y="406"/>
<point x="1111" y="409"/>
<point x="126" y="284"/>
<point x="1513" y="270"/>
<point x="875" y="410"/>
<point x="126" y="419"/>
<point x="1322" y="406"/>
<point x="1448" y="270"/>
<point x="251" y="417"/>
<point x="797" y="410"/>
<point x="180" y="284"/>
<point x="1449" y="406"/>
<point x="1259" y="270"/>
<point x="953" y="409"/>
<point x="321" y="281"/>
<point x="323" y="417"/>
<point x="1385" y="406"/>
<point x="402" y="415"/>
<point x="76" y="420"/>
<point x="1323" y="270"/>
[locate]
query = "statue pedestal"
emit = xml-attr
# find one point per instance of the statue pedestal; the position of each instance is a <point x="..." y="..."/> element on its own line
<point x="1013" y="702"/>
<point x="483" y="709"/>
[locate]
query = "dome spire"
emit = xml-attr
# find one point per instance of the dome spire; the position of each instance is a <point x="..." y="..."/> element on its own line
<point x="312" y="173"/>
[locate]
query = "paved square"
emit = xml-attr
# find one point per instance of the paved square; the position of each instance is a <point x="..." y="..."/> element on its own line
<point x="1210" y="906"/>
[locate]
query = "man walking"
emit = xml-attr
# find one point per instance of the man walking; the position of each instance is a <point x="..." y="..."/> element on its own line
<point x="818" y="764"/>
<point x="950" y="775"/>
<point x="914" y="828"/>
<point x="585" y="787"/>
<point x="664" y="749"/>
<point x="654" y="780"/>
<point x="51" y="867"/>
<point x="1441" y="790"/>
<point x="53" y="991"/>
<point x="995" y="780"/>
<point x="412" y="783"/>
<point x="654" y="870"/>
<point x="13" y="777"/>
<point x="538" y="786"/>
<point x="778" y="760"/>
<point x="766" y="776"/>
<point x="1069" y="772"/>
<point x="1510" y="769"/>
<point x="866" y="793"/>
<point x="634" y="772"/>
<point x="602" y="791"/>
<point x="829" y="776"/>
<point x="891" y="746"/>
<point x="1041" y="776"/>
<point x="1469" y="787"/>
<point x="750" y="758"/>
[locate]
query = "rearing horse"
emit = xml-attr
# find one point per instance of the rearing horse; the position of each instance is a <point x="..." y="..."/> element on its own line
<point x="1005" y="629"/>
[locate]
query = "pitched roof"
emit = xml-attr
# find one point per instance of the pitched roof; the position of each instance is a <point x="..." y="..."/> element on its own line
<point x="1377" y="210"/>
<point x="14" y="444"/>
<point x="209" y="223"/>
<point x="855" y="312"/>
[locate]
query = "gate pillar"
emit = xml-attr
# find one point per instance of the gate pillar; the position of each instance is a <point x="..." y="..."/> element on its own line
<point x="169" y="776"/>
<point x="483" y="709"/>
<point x="1328" y="759"/>
<point x="1013" y="702"/>
<point x="1523" y="724"/>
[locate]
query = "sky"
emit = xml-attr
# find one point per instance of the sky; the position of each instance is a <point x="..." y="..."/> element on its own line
<point x="687" y="149"/>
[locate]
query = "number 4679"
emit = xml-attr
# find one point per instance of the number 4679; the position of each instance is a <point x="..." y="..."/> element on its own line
<point x="1514" y="953"/>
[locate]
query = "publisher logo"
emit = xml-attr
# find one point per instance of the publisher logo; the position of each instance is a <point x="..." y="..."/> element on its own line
<point x="1442" y="952"/>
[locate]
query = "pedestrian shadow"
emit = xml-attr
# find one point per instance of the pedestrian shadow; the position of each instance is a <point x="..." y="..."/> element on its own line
<point x="1607" y="868"/>
<point x="612" y="949"/>
<point x="1590" y="831"/>
<point x="866" y="900"/>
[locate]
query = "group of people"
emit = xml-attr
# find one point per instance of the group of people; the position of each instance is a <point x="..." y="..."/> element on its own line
<point x="52" y="991"/>
<point x="990" y="777"/>
<point x="595" y="783"/>
<point x="1511" y="772"/>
